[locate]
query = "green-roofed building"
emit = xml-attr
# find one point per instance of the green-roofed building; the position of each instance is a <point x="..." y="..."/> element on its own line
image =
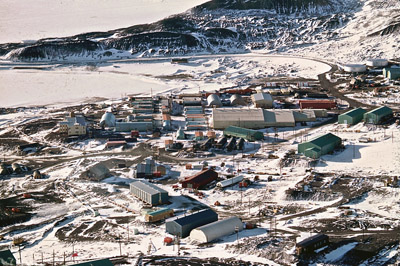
<point x="377" y="115"/>
<point x="391" y="73"/>
<point x="7" y="258"/>
<point x="245" y="133"/>
<point x="352" y="117"/>
<point x="104" y="262"/>
<point x="319" y="146"/>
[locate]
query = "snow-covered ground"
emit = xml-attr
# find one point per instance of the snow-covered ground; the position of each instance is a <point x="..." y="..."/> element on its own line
<point x="65" y="85"/>
<point x="37" y="19"/>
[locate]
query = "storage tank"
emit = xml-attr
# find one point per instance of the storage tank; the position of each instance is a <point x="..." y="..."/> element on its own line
<point x="216" y="230"/>
<point x="213" y="100"/>
<point x="354" y="68"/>
<point x="236" y="99"/>
<point x="107" y="120"/>
<point x="376" y="62"/>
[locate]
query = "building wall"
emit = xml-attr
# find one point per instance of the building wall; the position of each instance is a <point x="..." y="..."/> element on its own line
<point x="184" y="230"/>
<point x="153" y="199"/>
<point x="246" y="124"/>
<point x="77" y="130"/>
<point x="326" y="148"/>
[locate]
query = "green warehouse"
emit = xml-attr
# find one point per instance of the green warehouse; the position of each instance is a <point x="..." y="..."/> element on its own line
<point x="391" y="73"/>
<point x="352" y="117"/>
<point x="378" y="115"/>
<point x="319" y="146"/>
<point x="245" y="133"/>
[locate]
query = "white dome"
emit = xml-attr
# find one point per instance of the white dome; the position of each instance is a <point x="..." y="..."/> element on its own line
<point x="213" y="99"/>
<point x="107" y="120"/>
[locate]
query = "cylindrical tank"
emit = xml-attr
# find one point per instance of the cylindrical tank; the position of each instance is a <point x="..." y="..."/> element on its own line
<point x="213" y="100"/>
<point x="354" y="68"/>
<point x="377" y="62"/>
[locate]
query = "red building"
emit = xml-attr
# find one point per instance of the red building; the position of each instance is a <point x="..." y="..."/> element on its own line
<point x="200" y="179"/>
<point x="317" y="104"/>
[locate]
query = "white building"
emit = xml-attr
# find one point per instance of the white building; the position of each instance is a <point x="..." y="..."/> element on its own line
<point x="262" y="100"/>
<point x="216" y="230"/>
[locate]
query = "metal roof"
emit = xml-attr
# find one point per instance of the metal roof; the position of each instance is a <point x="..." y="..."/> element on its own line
<point x="213" y="99"/>
<point x="236" y="99"/>
<point x="262" y="97"/>
<point x="215" y="230"/>
<point x="230" y="181"/>
<point x="148" y="187"/>
<point x="279" y="116"/>
<point x="324" y="139"/>
<point x="237" y="114"/>
<point x="355" y="112"/>
<point x="153" y="213"/>
<point x="383" y="110"/>
<point x="189" y="219"/>
<point x="7" y="258"/>
<point x="311" y="240"/>
<point x="243" y="132"/>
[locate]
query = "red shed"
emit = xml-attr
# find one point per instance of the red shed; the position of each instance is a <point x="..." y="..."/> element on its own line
<point x="200" y="179"/>
<point x="112" y="144"/>
<point x="317" y="104"/>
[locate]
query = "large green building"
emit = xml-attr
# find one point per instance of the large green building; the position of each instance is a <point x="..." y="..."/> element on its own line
<point x="319" y="146"/>
<point x="352" y="117"/>
<point x="245" y="133"/>
<point x="378" y="115"/>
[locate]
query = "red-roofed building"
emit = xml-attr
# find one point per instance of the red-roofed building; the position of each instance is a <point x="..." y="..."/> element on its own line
<point x="201" y="179"/>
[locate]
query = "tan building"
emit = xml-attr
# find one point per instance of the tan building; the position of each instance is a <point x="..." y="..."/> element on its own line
<point x="257" y="118"/>
<point x="74" y="126"/>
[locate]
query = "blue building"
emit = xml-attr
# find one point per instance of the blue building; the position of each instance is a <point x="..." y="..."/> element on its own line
<point x="183" y="225"/>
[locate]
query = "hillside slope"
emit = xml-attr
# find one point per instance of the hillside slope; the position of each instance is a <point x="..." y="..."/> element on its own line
<point x="336" y="29"/>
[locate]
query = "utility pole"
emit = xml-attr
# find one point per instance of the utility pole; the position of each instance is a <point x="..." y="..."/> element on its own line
<point x="249" y="206"/>
<point x="120" y="249"/>
<point x="54" y="258"/>
<point x="19" y="251"/>
<point x="237" y="235"/>
<point x="241" y="195"/>
<point x="73" y="252"/>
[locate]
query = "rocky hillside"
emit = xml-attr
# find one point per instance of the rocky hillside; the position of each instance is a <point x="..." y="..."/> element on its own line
<point x="222" y="26"/>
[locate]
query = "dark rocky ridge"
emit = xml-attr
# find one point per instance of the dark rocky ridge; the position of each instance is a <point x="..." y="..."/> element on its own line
<point x="214" y="27"/>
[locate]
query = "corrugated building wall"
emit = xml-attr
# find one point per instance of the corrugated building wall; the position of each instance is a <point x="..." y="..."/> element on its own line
<point x="149" y="193"/>
<point x="377" y="115"/>
<point x="319" y="146"/>
<point x="183" y="225"/>
<point x="245" y="133"/>
<point x="352" y="117"/>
